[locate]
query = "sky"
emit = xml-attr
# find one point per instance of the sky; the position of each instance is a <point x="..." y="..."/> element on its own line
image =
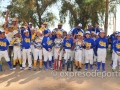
<point x="66" y="26"/>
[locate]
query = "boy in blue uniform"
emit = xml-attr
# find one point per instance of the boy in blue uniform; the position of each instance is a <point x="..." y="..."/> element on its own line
<point x="4" y="43"/>
<point x="47" y="49"/>
<point x="116" y="48"/>
<point x="102" y="45"/>
<point x="26" y="50"/>
<point x="68" y="45"/>
<point x="89" y="45"/>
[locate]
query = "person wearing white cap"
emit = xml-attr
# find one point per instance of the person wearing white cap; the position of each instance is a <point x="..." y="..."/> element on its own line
<point x="90" y="28"/>
<point x="102" y="45"/>
<point x="26" y="50"/>
<point x="116" y="48"/>
<point x="38" y="49"/>
<point x="89" y="45"/>
<point x="68" y="45"/>
<point x="16" y="42"/>
<point x="77" y="29"/>
<point x="79" y="43"/>
<point x="4" y="47"/>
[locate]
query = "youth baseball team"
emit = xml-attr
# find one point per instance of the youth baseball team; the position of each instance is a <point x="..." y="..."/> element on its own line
<point x="57" y="49"/>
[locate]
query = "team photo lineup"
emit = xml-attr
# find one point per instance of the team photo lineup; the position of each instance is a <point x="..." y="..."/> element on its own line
<point x="57" y="49"/>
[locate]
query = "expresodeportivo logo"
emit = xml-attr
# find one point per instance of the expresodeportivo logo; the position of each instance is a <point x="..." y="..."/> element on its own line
<point x="86" y="74"/>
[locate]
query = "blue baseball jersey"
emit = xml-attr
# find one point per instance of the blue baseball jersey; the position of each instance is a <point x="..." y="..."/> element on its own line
<point x="4" y="43"/>
<point x="47" y="43"/>
<point x="26" y="40"/>
<point x="76" y="30"/>
<point x="102" y="43"/>
<point x="97" y="30"/>
<point x="116" y="46"/>
<point x="89" y="42"/>
<point x="67" y="44"/>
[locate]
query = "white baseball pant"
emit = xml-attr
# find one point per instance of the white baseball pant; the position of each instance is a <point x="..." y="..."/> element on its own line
<point x="67" y="54"/>
<point x="83" y="56"/>
<point x="101" y="52"/>
<point x="116" y="58"/>
<point x="56" y="54"/>
<point x="26" y="53"/>
<point x="78" y="55"/>
<point x="5" y="55"/>
<point x="17" y="52"/>
<point x="113" y="55"/>
<point x="89" y="56"/>
<point x="32" y="49"/>
<point x="47" y="55"/>
<point x="37" y="53"/>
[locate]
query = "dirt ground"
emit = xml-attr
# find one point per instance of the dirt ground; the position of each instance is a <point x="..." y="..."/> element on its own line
<point x="52" y="80"/>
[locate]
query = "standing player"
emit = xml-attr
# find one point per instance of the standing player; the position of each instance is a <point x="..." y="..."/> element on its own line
<point x="68" y="45"/>
<point x="102" y="45"/>
<point x="47" y="49"/>
<point x="58" y="46"/>
<point x="4" y="47"/>
<point x="78" y="51"/>
<point x="26" y="50"/>
<point x="89" y="45"/>
<point x="38" y="49"/>
<point x="113" y="39"/>
<point x="16" y="42"/>
<point x="116" y="48"/>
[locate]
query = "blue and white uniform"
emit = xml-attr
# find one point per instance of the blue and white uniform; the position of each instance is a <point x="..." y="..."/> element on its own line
<point x="116" y="48"/>
<point x="26" y="50"/>
<point x="4" y="44"/>
<point x="38" y="48"/>
<point x="67" y="44"/>
<point x="102" y="45"/>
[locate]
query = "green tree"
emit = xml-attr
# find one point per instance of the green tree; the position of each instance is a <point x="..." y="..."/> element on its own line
<point x="35" y="11"/>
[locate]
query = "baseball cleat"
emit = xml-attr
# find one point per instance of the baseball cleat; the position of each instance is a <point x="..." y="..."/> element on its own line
<point x="14" y="68"/>
<point x="29" y="68"/>
<point x="20" y="68"/>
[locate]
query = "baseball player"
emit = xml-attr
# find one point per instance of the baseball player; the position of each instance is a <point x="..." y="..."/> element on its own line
<point x="102" y="45"/>
<point x="89" y="45"/>
<point x="47" y="49"/>
<point x="78" y="51"/>
<point x="16" y="42"/>
<point x="116" y="48"/>
<point x="52" y="37"/>
<point x="68" y="45"/>
<point x="112" y="41"/>
<point x="58" y="46"/>
<point x="26" y="50"/>
<point x="4" y="43"/>
<point x="38" y="49"/>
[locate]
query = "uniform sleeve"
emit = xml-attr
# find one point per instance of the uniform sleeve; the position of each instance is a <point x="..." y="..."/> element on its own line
<point x="114" y="48"/>
<point x="44" y="43"/>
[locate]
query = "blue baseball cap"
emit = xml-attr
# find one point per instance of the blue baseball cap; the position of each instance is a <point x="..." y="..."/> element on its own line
<point x="46" y="32"/>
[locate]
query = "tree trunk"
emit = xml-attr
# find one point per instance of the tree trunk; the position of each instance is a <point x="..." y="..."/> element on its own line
<point x="106" y="18"/>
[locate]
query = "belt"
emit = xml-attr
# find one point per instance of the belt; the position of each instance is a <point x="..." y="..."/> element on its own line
<point x="25" y="48"/>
